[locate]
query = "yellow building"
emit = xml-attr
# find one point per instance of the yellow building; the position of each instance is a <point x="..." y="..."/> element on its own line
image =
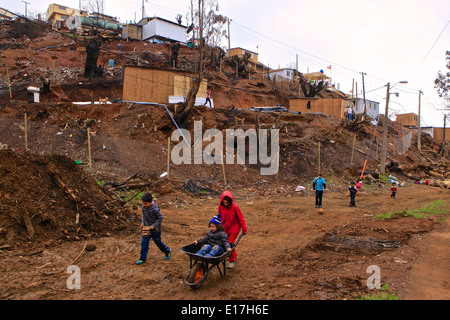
<point x="57" y="14"/>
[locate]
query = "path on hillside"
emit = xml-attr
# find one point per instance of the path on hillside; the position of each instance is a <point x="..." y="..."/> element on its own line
<point x="285" y="255"/>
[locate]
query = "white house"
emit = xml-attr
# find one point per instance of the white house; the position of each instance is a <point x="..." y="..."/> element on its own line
<point x="161" y="30"/>
<point x="283" y="74"/>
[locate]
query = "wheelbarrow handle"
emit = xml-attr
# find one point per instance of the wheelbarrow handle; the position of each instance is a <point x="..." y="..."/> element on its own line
<point x="239" y="239"/>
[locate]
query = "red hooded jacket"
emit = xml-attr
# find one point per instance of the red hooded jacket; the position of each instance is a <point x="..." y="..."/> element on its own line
<point x="232" y="219"/>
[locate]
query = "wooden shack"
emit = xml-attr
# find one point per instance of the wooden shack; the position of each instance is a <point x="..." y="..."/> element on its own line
<point x="146" y="84"/>
<point x="132" y="31"/>
<point x="408" y="119"/>
<point x="331" y="106"/>
<point x="438" y="134"/>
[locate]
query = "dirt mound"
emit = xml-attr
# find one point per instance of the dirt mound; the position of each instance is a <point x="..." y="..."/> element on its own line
<point x="332" y="267"/>
<point x="49" y="198"/>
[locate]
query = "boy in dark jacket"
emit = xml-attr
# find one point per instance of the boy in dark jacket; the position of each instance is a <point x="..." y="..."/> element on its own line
<point x="216" y="241"/>
<point x="352" y="191"/>
<point x="151" y="220"/>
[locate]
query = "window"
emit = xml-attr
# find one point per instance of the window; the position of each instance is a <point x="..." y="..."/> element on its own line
<point x="62" y="8"/>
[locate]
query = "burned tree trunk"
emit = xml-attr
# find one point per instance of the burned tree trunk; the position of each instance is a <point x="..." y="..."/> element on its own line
<point x="314" y="88"/>
<point x="182" y="115"/>
<point x="92" y="52"/>
<point x="174" y="57"/>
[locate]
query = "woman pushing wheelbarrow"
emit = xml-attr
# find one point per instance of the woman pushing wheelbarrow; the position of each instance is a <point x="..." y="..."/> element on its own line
<point x="218" y="245"/>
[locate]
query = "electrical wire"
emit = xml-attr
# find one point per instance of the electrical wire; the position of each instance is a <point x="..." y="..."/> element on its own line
<point x="437" y="39"/>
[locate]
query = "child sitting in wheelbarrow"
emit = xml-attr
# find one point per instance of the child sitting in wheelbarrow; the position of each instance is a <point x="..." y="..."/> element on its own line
<point x="216" y="241"/>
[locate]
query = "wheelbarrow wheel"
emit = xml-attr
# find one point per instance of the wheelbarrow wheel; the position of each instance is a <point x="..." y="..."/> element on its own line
<point x="196" y="275"/>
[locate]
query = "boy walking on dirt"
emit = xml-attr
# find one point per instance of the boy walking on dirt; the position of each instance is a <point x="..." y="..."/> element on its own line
<point x="151" y="225"/>
<point x="352" y="191"/>
<point x="233" y="221"/>
<point x="319" y="185"/>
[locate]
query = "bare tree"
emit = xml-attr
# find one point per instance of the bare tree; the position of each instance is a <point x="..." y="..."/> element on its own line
<point x="311" y="89"/>
<point x="95" y="10"/>
<point x="442" y="82"/>
<point x="209" y="31"/>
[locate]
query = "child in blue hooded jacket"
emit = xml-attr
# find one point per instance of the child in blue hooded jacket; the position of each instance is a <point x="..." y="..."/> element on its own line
<point x="319" y="185"/>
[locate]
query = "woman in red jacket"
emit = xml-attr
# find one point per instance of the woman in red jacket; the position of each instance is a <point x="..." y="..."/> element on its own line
<point x="233" y="221"/>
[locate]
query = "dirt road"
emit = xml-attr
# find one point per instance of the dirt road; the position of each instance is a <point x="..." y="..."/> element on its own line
<point x="290" y="252"/>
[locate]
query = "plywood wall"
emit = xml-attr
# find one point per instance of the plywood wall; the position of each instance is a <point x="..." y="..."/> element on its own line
<point x="183" y="83"/>
<point x="332" y="107"/>
<point x="438" y="134"/>
<point x="408" y="119"/>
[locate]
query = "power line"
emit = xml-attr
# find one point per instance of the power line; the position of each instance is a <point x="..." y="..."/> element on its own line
<point x="430" y="48"/>
<point x="296" y="49"/>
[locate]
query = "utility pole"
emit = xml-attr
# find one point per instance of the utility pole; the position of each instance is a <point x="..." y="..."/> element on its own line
<point x="143" y="9"/>
<point x="364" y="97"/>
<point x="444" y="142"/>
<point x="419" y="129"/>
<point x="229" y="37"/>
<point x="385" y="128"/>
<point x="26" y="11"/>
<point x="200" y="22"/>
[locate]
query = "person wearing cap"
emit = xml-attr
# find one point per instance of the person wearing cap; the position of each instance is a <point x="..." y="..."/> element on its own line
<point x="216" y="241"/>
<point x="151" y="218"/>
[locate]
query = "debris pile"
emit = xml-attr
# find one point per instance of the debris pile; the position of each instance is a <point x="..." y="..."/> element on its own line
<point x="49" y="198"/>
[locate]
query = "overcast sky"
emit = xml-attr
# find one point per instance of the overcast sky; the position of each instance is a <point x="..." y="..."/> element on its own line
<point x="389" y="40"/>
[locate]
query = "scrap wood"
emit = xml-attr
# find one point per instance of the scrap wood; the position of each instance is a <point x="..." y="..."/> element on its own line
<point x="85" y="244"/>
<point x="117" y="185"/>
<point x="435" y="174"/>
<point x="63" y="186"/>
<point x="53" y="47"/>
<point x="195" y="188"/>
<point x="28" y="224"/>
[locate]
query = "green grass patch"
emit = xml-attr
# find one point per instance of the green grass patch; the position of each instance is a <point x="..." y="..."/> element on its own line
<point x="437" y="207"/>
<point x="134" y="198"/>
<point x="384" y="178"/>
<point x="383" y="294"/>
